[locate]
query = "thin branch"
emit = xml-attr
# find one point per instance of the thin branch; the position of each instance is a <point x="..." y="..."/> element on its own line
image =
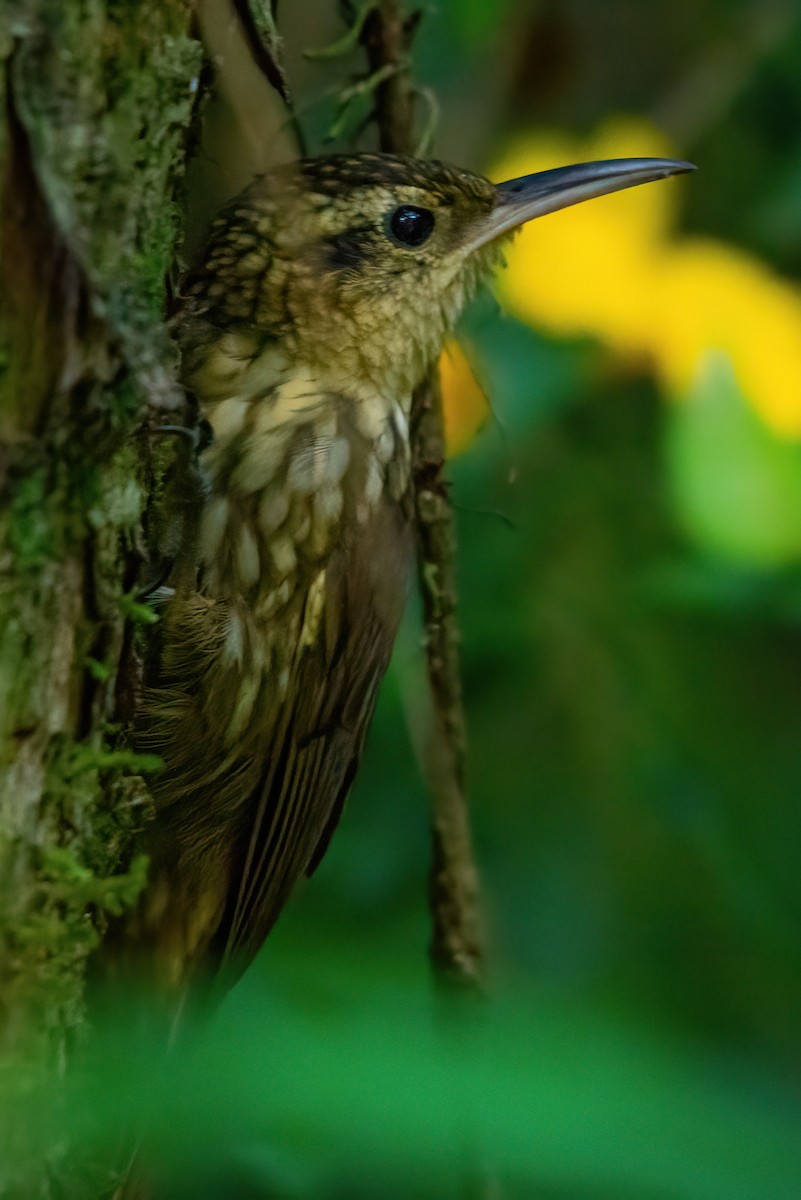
<point x="257" y="22"/>
<point x="258" y="25"/>
<point x="457" y="949"/>
<point x="457" y="944"/>
<point x="387" y="37"/>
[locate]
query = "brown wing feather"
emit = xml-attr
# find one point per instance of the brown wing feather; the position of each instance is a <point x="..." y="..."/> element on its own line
<point x="240" y="819"/>
<point x="315" y="750"/>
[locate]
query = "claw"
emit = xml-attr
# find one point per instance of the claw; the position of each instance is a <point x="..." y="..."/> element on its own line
<point x="199" y="438"/>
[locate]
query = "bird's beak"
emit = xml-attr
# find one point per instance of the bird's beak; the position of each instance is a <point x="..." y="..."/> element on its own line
<point x="520" y="200"/>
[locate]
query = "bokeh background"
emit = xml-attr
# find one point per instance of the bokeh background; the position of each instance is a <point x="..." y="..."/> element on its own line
<point x="630" y="576"/>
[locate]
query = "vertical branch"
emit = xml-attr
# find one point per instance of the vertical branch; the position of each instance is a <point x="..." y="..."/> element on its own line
<point x="457" y="948"/>
<point x="386" y="36"/>
<point x="457" y="945"/>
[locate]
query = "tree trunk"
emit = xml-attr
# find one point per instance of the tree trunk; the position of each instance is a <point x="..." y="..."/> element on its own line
<point x="98" y="98"/>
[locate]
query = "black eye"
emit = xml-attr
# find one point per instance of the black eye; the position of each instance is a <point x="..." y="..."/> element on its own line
<point x="411" y="226"/>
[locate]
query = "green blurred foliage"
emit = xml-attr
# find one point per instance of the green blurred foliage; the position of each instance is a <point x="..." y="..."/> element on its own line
<point x="634" y="702"/>
<point x="326" y="1092"/>
<point x="736" y="484"/>
<point x="630" y="608"/>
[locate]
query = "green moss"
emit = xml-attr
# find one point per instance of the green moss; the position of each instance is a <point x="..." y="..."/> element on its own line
<point x="106" y="94"/>
<point x="30" y="533"/>
<point x="124" y="404"/>
<point x="139" y="613"/>
<point x="100" y="671"/>
<point x="104" y="91"/>
<point x="78" y="876"/>
<point x="116" y="498"/>
<point x="73" y="886"/>
<point x="90" y="758"/>
<point x="80" y="872"/>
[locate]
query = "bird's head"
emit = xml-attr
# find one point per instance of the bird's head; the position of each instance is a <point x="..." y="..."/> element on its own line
<point x="357" y="266"/>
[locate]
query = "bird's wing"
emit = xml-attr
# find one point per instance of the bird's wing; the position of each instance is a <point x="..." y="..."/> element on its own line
<point x="315" y="747"/>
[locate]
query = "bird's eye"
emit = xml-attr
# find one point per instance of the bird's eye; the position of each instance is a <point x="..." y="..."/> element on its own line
<point x="411" y="226"/>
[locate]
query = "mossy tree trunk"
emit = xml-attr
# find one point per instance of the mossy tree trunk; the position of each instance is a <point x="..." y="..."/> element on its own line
<point x="98" y="99"/>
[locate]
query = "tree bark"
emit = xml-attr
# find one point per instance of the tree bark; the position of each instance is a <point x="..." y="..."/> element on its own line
<point x="98" y="99"/>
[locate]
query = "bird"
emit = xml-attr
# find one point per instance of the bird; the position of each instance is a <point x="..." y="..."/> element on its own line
<point x="323" y="296"/>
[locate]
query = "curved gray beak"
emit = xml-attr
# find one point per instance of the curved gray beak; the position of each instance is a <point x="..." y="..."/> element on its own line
<point x="520" y="200"/>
